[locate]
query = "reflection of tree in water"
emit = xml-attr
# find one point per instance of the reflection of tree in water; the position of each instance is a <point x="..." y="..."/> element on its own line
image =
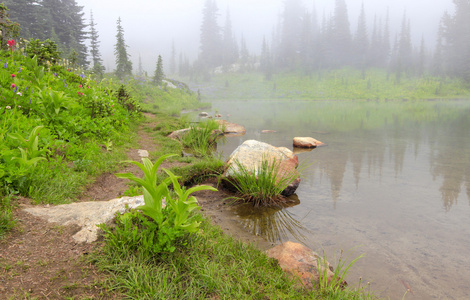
<point x="450" y="158"/>
<point x="274" y="224"/>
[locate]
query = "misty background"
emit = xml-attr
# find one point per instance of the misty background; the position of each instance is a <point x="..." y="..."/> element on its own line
<point x="151" y="27"/>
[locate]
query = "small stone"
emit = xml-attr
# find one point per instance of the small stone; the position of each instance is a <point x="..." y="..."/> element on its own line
<point x="306" y="142"/>
<point x="143" y="153"/>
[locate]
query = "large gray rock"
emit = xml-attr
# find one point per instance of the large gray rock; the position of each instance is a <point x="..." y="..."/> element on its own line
<point x="251" y="154"/>
<point x="303" y="263"/>
<point x="87" y="215"/>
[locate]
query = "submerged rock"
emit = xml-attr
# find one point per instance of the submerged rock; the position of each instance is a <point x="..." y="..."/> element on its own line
<point x="252" y="153"/>
<point x="303" y="263"/>
<point x="306" y="142"/>
<point x="231" y="128"/>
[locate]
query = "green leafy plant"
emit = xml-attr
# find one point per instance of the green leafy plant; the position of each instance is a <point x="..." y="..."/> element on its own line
<point x="262" y="185"/>
<point x="170" y="222"/>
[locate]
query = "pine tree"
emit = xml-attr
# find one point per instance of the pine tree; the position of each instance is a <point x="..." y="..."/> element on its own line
<point x="290" y="43"/>
<point x="341" y="35"/>
<point x="159" y="75"/>
<point x="229" y="48"/>
<point x="98" y="67"/>
<point x="123" y="64"/>
<point x="173" y="59"/>
<point x="140" y="70"/>
<point x="210" y="55"/>
<point x="361" y="42"/>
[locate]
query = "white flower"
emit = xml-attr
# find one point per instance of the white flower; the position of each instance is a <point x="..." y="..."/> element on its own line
<point x="19" y="94"/>
<point x="8" y="107"/>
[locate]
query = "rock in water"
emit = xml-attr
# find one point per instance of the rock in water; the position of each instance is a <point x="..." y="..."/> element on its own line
<point x="302" y="262"/>
<point x="252" y="153"/>
<point x="231" y="128"/>
<point x="306" y="142"/>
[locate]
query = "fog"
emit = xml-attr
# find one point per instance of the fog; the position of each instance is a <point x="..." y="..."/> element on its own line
<point x="151" y="26"/>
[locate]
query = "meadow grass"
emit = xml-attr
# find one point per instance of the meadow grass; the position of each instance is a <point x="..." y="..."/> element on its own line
<point x="342" y="84"/>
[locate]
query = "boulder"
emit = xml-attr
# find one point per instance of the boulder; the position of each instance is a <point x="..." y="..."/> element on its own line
<point x="302" y="262"/>
<point x="251" y="154"/>
<point x="231" y="128"/>
<point x="306" y="142"/>
<point x="203" y="114"/>
<point x="268" y="131"/>
<point x="87" y="215"/>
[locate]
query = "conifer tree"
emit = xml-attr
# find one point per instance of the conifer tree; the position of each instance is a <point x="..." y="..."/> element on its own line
<point x="173" y="59"/>
<point x="159" y="74"/>
<point x="361" y="42"/>
<point x="210" y="55"/>
<point x="98" y="67"/>
<point x="123" y="64"/>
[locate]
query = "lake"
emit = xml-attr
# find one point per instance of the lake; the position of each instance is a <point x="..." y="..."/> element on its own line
<point x="393" y="183"/>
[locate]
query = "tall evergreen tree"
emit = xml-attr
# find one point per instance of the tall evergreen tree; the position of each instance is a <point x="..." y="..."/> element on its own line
<point x="210" y="55"/>
<point x="361" y="42"/>
<point x="159" y="75"/>
<point x="173" y="59"/>
<point x="341" y="35"/>
<point x="123" y="64"/>
<point x="456" y="40"/>
<point x="229" y="48"/>
<point x="98" y="67"/>
<point x="290" y="43"/>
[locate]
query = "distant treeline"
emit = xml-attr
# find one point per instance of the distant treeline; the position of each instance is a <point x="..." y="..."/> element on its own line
<point x="301" y="41"/>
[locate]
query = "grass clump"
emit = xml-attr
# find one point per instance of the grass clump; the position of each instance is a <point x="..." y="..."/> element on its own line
<point x="261" y="185"/>
<point x="201" y="138"/>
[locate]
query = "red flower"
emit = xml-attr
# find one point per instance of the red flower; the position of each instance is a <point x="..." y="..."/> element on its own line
<point x="13" y="75"/>
<point x="80" y="86"/>
<point x="11" y="43"/>
<point x="13" y="85"/>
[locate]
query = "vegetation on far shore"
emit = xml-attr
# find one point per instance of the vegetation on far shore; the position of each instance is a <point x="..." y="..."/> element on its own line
<point x="341" y="84"/>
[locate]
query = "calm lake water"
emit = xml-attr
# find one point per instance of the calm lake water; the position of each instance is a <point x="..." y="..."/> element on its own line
<point x="393" y="180"/>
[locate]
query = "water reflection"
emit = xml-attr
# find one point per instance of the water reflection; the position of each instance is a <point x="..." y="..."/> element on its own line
<point x="274" y="224"/>
<point x="368" y="136"/>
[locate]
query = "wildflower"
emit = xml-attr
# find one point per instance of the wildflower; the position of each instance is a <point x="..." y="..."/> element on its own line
<point x="55" y="74"/>
<point x="13" y="85"/>
<point x="13" y="75"/>
<point x="19" y="94"/>
<point x="19" y="106"/>
<point x="11" y="44"/>
<point x="16" y="90"/>
<point x="6" y="64"/>
<point x="8" y="107"/>
<point x="80" y="86"/>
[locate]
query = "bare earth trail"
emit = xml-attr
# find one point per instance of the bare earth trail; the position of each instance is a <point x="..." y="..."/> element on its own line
<point x="41" y="260"/>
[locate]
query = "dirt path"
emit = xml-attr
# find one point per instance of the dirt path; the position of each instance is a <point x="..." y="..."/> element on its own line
<point x="40" y="260"/>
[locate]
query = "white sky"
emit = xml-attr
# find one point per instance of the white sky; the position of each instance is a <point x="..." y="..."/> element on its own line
<point x="150" y="26"/>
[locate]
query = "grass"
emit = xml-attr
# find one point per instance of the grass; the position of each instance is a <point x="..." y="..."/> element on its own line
<point x="342" y="84"/>
<point x="201" y="138"/>
<point x="261" y="185"/>
<point x="7" y="221"/>
<point x="210" y="265"/>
